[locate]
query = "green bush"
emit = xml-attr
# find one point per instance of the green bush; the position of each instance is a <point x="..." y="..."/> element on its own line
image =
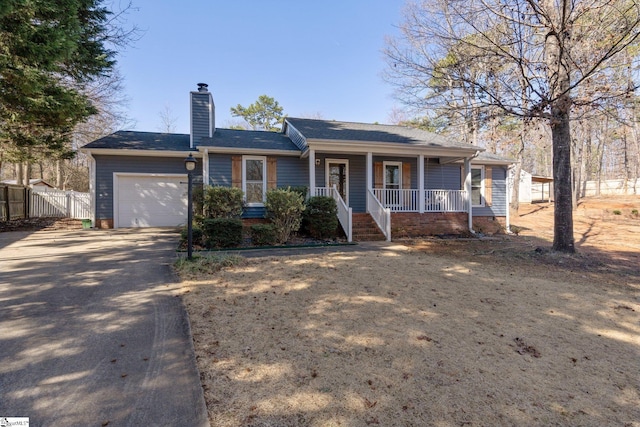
<point x="634" y="212"/>
<point x="197" y="195"/>
<point x="284" y="208"/>
<point x="263" y="234"/>
<point x="320" y="217"/>
<point x="196" y="235"/>
<point x="223" y="202"/>
<point x="617" y="212"/>
<point x="302" y="190"/>
<point x="222" y="232"/>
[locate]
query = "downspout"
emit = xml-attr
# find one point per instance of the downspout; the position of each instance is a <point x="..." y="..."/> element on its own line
<point x="508" y="206"/>
<point x="467" y="187"/>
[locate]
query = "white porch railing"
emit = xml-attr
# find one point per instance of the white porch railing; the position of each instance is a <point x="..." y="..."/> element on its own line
<point x="57" y="203"/>
<point x="399" y="200"/>
<point x="434" y="200"/>
<point x="344" y="212"/>
<point x="323" y="191"/>
<point x="444" y="201"/>
<point x="380" y="214"/>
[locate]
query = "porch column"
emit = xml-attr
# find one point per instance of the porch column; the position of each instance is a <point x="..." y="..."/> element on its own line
<point x="312" y="173"/>
<point x="467" y="189"/>
<point x="421" y="183"/>
<point x="369" y="177"/>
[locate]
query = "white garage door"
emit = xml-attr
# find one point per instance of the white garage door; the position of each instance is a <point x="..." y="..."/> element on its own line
<point x="150" y="200"/>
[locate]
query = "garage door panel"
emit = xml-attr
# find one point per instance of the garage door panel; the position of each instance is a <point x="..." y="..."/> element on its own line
<point x="151" y="201"/>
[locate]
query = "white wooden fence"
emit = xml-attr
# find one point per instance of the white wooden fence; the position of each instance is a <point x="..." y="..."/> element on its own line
<point x="61" y="204"/>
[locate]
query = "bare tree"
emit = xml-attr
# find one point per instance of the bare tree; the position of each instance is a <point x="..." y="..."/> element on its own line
<point x="549" y="47"/>
<point x="167" y="120"/>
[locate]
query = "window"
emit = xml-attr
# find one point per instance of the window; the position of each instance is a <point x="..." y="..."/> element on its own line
<point x="254" y="179"/>
<point x="477" y="186"/>
<point x="392" y="175"/>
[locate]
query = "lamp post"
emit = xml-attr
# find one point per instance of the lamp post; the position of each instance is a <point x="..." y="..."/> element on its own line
<point x="190" y="165"/>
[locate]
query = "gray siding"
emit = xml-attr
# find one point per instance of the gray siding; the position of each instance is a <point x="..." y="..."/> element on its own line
<point x="200" y="115"/>
<point x="296" y="137"/>
<point x="292" y="171"/>
<point x="441" y="177"/>
<point x="498" y="194"/>
<point x="107" y="165"/>
<point x="220" y="170"/>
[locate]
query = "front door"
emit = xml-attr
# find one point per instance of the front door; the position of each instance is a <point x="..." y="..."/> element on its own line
<point x="338" y="175"/>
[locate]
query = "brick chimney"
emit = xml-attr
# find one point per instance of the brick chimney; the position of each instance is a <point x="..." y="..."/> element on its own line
<point x="203" y="114"/>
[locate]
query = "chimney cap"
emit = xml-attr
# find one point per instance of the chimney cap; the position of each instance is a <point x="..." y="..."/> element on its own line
<point x="202" y="87"/>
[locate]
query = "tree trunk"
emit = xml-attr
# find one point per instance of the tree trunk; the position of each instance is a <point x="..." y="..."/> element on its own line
<point x="59" y="183"/>
<point x="563" y="212"/>
<point x="19" y="174"/>
<point x="559" y="78"/>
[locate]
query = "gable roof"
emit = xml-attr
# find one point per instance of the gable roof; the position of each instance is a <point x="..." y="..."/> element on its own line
<point x="330" y="130"/>
<point x="134" y="140"/>
<point x="249" y="140"/>
<point x="491" y="159"/>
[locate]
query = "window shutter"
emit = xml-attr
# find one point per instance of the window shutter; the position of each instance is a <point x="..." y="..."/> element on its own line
<point x="272" y="173"/>
<point x="236" y="171"/>
<point x="406" y="175"/>
<point x="378" y="177"/>
<point x="488" y="186"/>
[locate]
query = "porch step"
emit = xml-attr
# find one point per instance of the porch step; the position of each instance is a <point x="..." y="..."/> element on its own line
<point x="365" y="229"/>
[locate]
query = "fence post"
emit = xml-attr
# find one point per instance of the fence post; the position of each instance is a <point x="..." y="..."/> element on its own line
<point x="27" y="205"/>
<point x="5" y="190"/>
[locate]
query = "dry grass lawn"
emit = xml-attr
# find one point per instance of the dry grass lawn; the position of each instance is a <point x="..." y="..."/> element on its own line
<point x="426" y="333"/>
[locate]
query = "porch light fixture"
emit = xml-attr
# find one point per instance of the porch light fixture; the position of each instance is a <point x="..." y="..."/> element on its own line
<point x="317" y="162"/>
<point x="190" y="166"/>
<point x="190" y="163"/>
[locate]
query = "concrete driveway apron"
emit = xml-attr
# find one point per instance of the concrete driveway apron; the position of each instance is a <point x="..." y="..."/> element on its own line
<point x="92" y="332"/>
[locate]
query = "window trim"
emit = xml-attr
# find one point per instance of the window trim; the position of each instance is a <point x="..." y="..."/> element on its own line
<point x="344" y="162"/>
<point x="384" y="174"/>
<point x="482" y="199"/>
<point x="264" y="179"/>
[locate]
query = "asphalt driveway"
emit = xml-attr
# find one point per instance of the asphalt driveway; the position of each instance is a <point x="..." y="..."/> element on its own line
<point x="92" y="333"/>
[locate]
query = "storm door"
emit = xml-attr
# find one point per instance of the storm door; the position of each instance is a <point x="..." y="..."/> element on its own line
<point x="338" y="175"/>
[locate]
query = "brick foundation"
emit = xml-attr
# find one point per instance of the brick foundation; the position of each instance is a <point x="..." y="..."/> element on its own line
<point x="489" y="224"/>
<point x="416" y="224"/>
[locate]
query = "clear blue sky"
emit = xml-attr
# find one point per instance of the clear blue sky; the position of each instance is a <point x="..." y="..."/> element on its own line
<point x="314" y="57"/>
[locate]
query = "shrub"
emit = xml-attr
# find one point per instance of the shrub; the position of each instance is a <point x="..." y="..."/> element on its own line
<point x="197" y="195"/>
<point x="196" y="235"/>
<point x="222" y="232"/>
<point x="284" y="208"/>
<point x="617" y="212"/>
<point x="223" y="202"/>
<point x="634" y="212"/>
<point x="302" y="190"/>
<point x="320" y="217"/>
<point x="263" y="234"/>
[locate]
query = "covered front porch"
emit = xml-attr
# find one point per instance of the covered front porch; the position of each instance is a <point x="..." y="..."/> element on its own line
<point x="368" y="183"/>
<point x="385" y="202"/>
